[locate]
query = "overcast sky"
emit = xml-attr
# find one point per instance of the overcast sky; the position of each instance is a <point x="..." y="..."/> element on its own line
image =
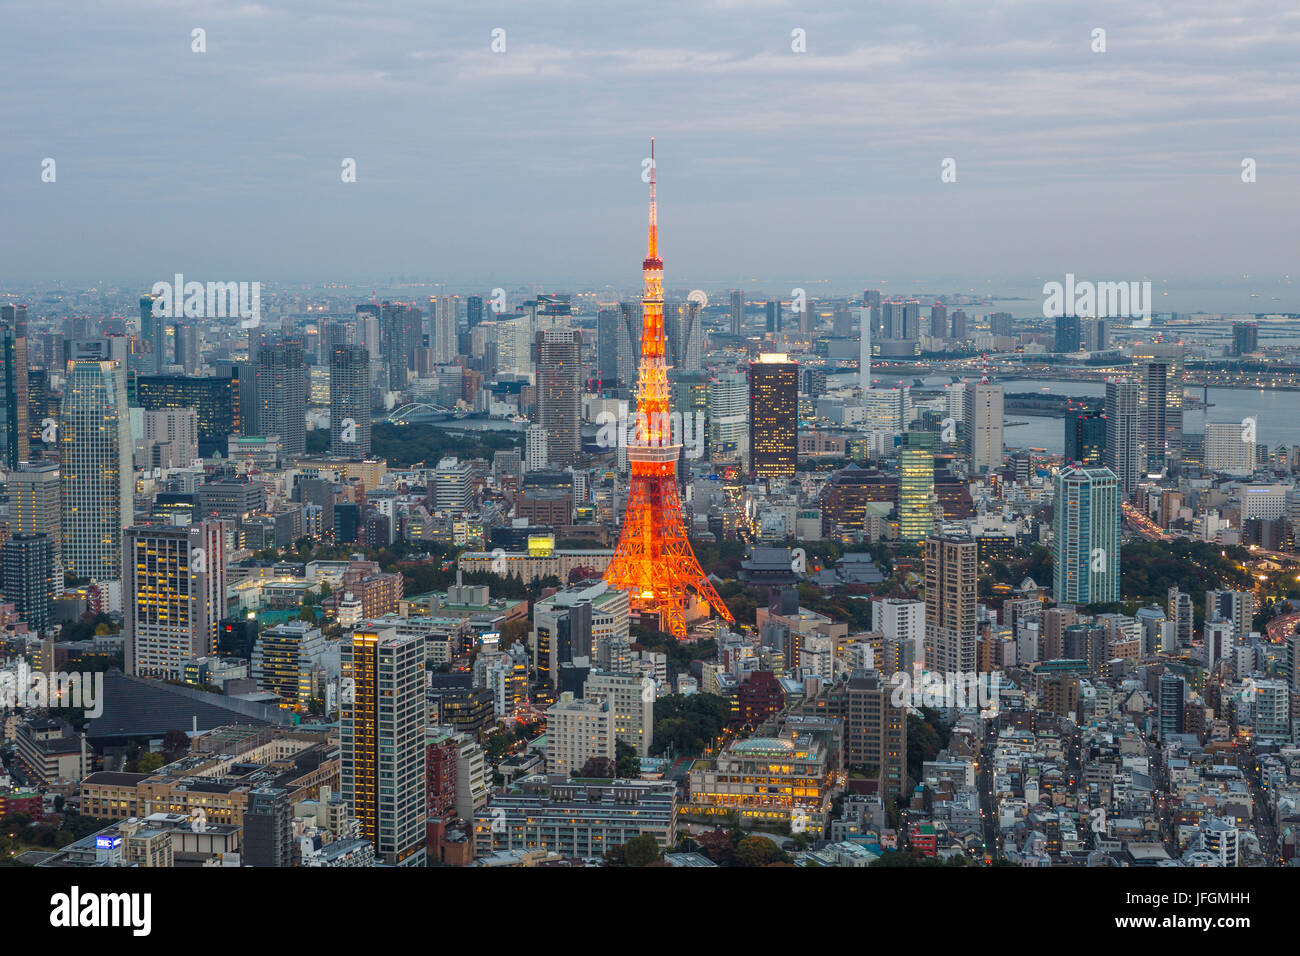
<point x="526" y="165"/>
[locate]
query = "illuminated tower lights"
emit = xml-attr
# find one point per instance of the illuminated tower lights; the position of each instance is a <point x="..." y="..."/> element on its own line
<point x="654" y="559"/>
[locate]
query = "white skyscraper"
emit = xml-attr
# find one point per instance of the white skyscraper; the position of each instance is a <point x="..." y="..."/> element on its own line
<point x="1230" y="448"/>
<point x="535" y="452"/>
<point x="864" y="348"/>
<point x="444" y="330"/>
<point x="984" y="420"/>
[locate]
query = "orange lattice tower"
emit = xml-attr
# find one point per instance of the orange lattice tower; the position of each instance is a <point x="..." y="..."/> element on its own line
<point x="654" y="560"/>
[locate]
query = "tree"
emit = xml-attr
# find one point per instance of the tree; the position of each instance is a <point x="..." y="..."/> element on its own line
<point x="628" y="764"/>
<point x="598" y="768"/>
<point x="758" y="851"/>
<point x="175" y="744"/>
<point x="642" y="850"/>
<point x="147" y="763"/>
<point x="717" y="846"/>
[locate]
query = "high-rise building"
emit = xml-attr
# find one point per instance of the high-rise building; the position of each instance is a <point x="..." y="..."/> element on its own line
<point x="268" y="828"/>
<point x="1235" y="606"/>
<point x="628" y="345"/>
<point x="951" y="581"/>
<point x="958" y="325"/>
<point x="1002" y="325"/>
<point x="453" y="489"/>
<point x="1229" y="448"/>
<point x="939" y="321"/>
<point x="381" y="735"/>
<point x="1160" y="401"/>
<point x="1245" y="337"/>
<point x="1068" y="333"/>
<point x="1123" y="429"/>
<point x="473" y="310"/>
<point x="95" y="451"/>
<point x="153" y="330"/>
<point x="400" y="334"/>
<point x="864" y="348"/>
<point x="444" y="329"/>
<point x="28" y="577"/>
<point x="578" y="731"/>
<point x="915" y="492"/>
<point x="1169" y="705"/>
<point x="1179" y="611"/>
<point x="737" y="310"/>
<point x="174" y="589"/>
<point x="187" y="348"/>
<point x="1085" y="437"/>
<point x="1086" y="541"/>
<point x="984" y="426"/>
<point x="773" y="416"/>
<point x="631" y="699"/>
<point x="559" y="393"/>
<point x="281" y="377"/>
<point x="34" y="507"/>
<point x="15" y="435"/>
<point x="607" y="330"/>
<point x="13" y="376"/>
<point x="729" y="416"/>
<point x="876" y="732"/>
<point x="772" y="312"/>
<point x="685" y="335"/>
<point x="350" y="401"/>
<point x="535" y="450"/>
<point x="217" y="400"/>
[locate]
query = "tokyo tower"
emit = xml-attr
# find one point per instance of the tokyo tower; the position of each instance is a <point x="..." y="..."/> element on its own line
<point x="654" y="560"/>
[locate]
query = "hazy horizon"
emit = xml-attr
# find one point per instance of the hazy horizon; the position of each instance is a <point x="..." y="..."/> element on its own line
<point x="525" y="166"/>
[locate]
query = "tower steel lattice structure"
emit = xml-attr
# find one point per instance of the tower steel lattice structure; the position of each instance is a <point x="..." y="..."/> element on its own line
<point x="654" y="561"/>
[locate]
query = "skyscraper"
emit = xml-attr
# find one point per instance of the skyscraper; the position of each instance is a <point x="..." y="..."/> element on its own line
<point x="939" y="321"/>
<point x="95" y="450"/>
<point x="473" y="310"/>
<point x="281" y="382"/>
<point x="984" y="426"/>
<point x="773" y="315"/>
<point x="1245" y="337"/>
<point x="382" y="736"/>
<point x="34" y="507"/>
<point x="350" y="401"/>
<point x="685" y="335"/>
<point x="559" y="392"/>
<point x="444" y="330"/>
<point x="607" y="327"/>
<point x="174" y="590"/>
<point x="187" y="347"/>
<point x="737" y="311"/>
<point x="951" y="579"/>
<point x="13" y="385"/>
<point x="1068" y="333"/>
<point x="1086" y="541"/>
<point x="773" y="416"/>
<point x="1085" y="436"/>
<point x="28" y="577"/>
<point x="1160" y="401"/>
<point x="629" y="343"/>
<point x="153" y="330"/>
<point x="729" y="416"/>
<point x="864" y="348"/>
<point x="1122" y="433"/>
<point x="915" y="491"/>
